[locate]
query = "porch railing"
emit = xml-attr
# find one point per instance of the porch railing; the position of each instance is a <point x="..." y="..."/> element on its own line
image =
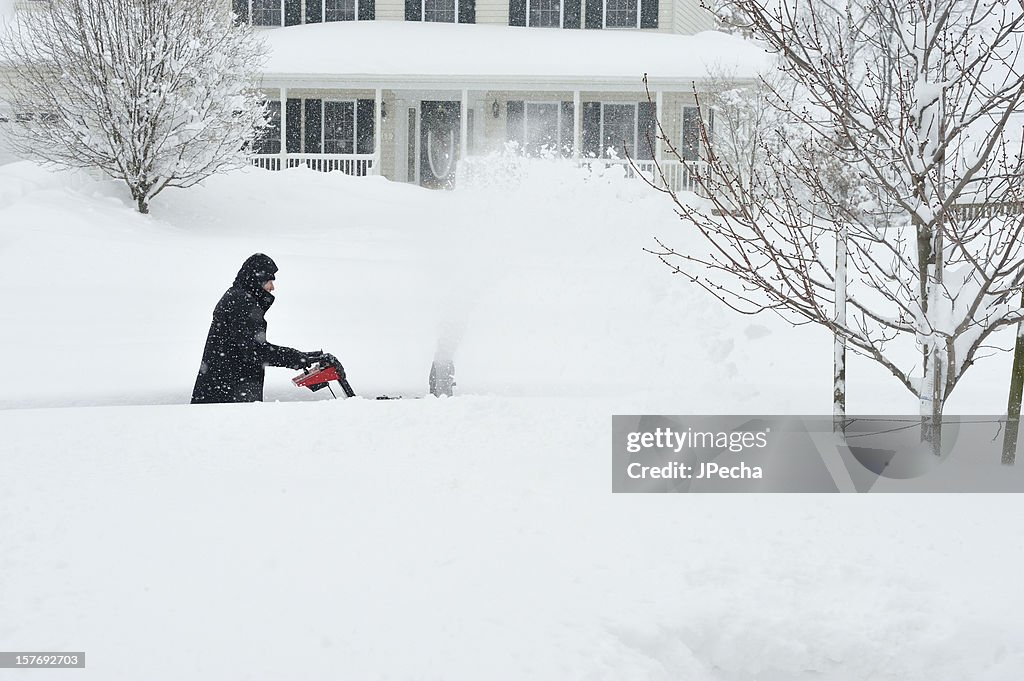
<point x="974" y="211"/>
<point x="678" y="177"/>
<point x="350" y="164"/>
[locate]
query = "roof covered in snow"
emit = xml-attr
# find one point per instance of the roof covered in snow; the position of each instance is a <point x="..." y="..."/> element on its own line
<point x="421" y="54"/>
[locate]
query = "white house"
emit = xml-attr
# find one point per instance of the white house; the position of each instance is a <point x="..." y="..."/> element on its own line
<point x="405" y="89"/>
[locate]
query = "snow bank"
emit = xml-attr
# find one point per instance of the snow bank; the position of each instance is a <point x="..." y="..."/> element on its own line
<point x="458" y="539"/>
<point x="538" y="272"/>
<point x="468" y="539"/>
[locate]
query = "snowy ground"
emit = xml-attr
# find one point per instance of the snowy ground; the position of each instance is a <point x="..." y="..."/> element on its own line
<point x="470" y="538"/>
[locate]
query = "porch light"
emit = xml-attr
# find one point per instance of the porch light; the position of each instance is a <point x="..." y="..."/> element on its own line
<point x="383" y="111"/>
<point x="496" y="109"/>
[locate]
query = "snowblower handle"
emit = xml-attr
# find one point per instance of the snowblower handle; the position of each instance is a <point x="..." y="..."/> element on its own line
<point x="349" y="392"/>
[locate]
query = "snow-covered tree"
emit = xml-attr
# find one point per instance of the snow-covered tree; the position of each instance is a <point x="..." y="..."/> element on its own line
<point x="886" y="163"/>
<point x="157" y="94"/>
<point x="729" y="18"/>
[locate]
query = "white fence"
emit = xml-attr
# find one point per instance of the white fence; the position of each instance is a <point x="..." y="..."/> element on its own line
<point x="975" y="211"/>
<point x="351" y="164"/>
<point x="678" y="177"/>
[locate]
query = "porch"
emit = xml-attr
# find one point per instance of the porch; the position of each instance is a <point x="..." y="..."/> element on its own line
<point x="420" y="136"/>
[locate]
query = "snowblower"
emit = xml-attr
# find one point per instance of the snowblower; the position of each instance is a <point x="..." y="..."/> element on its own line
<point x="317" y="377"/>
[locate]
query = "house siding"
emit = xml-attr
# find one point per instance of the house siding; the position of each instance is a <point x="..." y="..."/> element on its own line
<point x="689" y="18"/>
<point x="492" y="12"/>
<point x="390" y="10"/>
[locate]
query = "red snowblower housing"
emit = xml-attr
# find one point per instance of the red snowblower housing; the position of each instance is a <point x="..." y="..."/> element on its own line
<point x="317" y="377"/>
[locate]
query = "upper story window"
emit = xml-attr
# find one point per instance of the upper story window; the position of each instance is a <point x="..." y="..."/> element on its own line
<point x="266" y="12"/>
<point x="584" y="13"/>
<point x="292" y="12"/>
<point x="621" y="14"/>
<point x="448" y="11"/>
<point x="339" y="10"/>
<point x="440" y="10"/>
<point x="545" y="13"/>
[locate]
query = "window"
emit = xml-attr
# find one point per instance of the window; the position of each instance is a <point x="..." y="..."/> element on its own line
<point x="618" y="128"/>
<point x="621" y="14"/>
<point x="266" y="12"/>
<point x="542" y="124"/>
<point x="440" y="10"/>
<point x="339" y="10"/>
<point x="545" y="13"/>
<point x="269" y="141"/>
<point x="339" y="127"/>
<point x="690" y="147"/>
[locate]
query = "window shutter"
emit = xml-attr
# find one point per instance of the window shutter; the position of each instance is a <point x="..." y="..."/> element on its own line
<point x="646" y="131"/>
<point x="514" y="112"/>
<point x="467" y="11"/>
<point x="595" y="14"/>
<point x="293" y="121"/>
<point x="571" y="13"/>
<point x="292" y="12"/>
<point x="414" y="10"/>
<point x="648" y="13"/>
<point x="691" y="134"/>
<point x="314" y="12"/>
<point x="241" y="10"/>
<point x="566" y="133"/>
<point x="314" y="127"/>
<point x="592" y="129"/>
<point x="367" y="10"/>
<point x="365" y="120"/>
<point x="517" y="12"/>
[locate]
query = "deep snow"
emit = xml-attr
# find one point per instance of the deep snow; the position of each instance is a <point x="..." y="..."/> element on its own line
<point x="451" y="539"/>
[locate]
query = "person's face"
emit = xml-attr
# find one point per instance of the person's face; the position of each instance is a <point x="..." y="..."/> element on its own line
<point x="269" y="286"/>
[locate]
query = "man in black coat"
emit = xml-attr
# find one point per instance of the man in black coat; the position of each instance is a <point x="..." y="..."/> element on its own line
<point x="236" y="348"/>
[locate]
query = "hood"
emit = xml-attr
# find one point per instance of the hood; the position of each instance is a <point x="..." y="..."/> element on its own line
<point x="256" y="271"/>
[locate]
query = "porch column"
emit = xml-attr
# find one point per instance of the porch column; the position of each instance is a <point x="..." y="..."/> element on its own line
<point x="378" y="100"/>
<point x="658" y="115"/>
<point x="464" y="126"/>
<point x="284" y="136"/>
<point x="577" y="124"/>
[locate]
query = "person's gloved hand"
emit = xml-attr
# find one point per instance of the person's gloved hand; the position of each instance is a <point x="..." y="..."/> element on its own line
<point x="307" y="359"/>
<point x="328" y="360"/>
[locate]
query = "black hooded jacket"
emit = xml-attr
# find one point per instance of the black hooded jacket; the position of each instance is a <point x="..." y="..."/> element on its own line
<point x="236" y="348"/>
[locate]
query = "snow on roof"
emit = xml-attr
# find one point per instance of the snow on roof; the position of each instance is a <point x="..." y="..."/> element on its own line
<point x="380" y="53"/>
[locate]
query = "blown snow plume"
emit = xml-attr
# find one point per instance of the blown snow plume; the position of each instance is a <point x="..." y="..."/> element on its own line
<point x="155" y="94"/>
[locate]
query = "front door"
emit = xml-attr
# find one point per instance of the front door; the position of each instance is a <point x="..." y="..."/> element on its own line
<point x="439" y="143"/>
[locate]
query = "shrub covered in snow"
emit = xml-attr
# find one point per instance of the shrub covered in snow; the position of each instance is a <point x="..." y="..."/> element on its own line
<point x="155" y="94"/>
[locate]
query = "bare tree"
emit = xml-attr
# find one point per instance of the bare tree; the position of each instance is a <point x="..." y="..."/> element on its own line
<point x="729" y="17"/>
<point x="924" y="132"/>
<point x="157" y="94"/>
